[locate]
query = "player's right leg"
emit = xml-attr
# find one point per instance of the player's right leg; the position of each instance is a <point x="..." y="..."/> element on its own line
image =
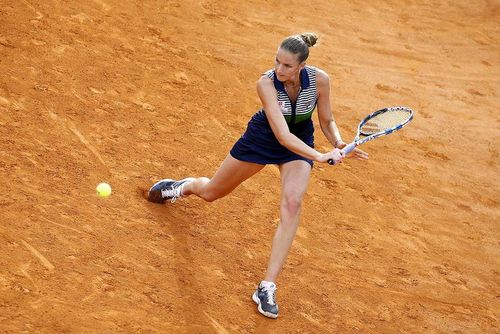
<point x="230" y="174"/>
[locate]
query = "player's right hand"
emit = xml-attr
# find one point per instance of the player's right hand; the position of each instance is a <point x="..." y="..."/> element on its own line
<point x="336" y="155"/>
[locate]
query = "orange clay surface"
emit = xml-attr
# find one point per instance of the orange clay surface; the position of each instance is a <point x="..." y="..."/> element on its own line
<point x="128" y="92"/>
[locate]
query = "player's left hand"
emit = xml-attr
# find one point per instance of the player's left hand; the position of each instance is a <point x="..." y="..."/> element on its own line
<point x="356" y="154"/>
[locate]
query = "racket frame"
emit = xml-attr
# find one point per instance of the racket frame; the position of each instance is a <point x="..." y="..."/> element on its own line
<point x="357" y="141"/>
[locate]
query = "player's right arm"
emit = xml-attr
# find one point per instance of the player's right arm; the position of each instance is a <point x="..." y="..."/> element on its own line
<point x="268" y="96"/>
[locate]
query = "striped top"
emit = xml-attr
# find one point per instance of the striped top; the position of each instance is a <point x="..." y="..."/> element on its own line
<point x="303" y="107"/>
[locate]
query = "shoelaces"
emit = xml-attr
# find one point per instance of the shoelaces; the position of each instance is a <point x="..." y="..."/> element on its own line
<point x="173" y="193"/>
<point x="270" y="291"/>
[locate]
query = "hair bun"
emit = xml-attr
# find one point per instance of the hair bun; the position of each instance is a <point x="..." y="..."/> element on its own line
<point x="309" y="38"/>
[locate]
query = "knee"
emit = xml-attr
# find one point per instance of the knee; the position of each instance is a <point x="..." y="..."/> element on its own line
<point x="291" y="203"/>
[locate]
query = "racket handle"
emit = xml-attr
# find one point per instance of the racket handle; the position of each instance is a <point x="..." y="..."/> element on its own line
<point x="348" y="149"/>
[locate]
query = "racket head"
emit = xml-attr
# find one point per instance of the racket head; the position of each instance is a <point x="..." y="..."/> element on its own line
<point x="379" y="123"/>
<point x="385" y="121"/>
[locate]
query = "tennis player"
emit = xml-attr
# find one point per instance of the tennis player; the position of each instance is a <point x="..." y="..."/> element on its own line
<point x="281" y="133"/>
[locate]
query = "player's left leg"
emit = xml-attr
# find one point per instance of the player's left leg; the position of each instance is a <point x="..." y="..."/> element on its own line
<point x="294" y="181"/>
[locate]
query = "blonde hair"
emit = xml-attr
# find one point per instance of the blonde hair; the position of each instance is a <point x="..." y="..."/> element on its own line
<point x="299" y="44"/>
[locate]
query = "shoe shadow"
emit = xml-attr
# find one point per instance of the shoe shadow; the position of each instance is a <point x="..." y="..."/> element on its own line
<point x="174" y="220"/>
<point x="265" y="325"/>
<point x="173" y="223"/>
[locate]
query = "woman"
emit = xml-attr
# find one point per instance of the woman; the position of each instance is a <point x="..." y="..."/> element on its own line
<point x="281" y="133"/>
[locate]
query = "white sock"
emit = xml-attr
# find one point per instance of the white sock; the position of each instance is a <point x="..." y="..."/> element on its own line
<point x="182" y="188"/>
<point x="267" y="284"/>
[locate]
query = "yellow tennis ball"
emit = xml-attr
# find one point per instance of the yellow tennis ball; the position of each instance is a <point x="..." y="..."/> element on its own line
<point x="103" y="189"/>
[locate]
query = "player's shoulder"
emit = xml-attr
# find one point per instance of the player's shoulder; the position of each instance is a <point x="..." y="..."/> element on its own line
<point x="264" y="78"/>
<point x="321" y="76"/>
<point x="267" y="75"/>
<point x="265" y="81"/>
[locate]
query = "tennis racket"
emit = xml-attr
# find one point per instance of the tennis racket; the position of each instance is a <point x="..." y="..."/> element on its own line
<point x="379" y="123"/>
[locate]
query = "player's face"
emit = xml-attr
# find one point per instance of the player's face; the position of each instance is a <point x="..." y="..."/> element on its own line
<point x="287" y="66"/>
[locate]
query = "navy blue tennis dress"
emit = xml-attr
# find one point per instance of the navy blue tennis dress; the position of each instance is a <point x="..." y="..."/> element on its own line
<point x="259" y="144"/>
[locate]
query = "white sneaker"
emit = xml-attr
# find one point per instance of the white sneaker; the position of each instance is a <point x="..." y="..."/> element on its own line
<point x="167" y="189"/>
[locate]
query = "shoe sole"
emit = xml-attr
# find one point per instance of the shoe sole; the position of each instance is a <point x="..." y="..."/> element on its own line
<point x="259" y="307"/>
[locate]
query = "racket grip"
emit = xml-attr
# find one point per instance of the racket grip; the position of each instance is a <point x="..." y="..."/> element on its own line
<point x="349" y="148"/>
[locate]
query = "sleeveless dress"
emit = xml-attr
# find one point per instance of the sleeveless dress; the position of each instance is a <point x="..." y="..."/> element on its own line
<point x="259" y="144"/>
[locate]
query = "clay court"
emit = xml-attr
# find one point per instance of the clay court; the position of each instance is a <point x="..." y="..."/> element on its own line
<point x="128" y="92"/>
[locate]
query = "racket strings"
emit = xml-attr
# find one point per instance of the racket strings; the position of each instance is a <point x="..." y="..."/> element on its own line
<point x="385" y="120"/>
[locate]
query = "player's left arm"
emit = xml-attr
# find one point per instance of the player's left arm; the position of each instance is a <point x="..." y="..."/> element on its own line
<point x="325" y="115"/>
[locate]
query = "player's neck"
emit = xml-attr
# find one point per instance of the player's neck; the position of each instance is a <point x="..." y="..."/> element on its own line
<point x="293" y="82"/>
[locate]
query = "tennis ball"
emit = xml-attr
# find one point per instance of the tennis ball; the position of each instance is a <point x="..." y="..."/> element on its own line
<point x="103" y="189"/>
